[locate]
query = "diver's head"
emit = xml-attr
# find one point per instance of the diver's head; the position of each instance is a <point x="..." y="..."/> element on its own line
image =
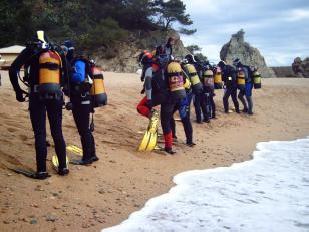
<point x="190" y="58"/>
<point x="236" y="62"/>
<point x="208" y="73"/>
<point x="145" y="57"/>
<point x="170" y="41"/>
<point x="69" y="44"/>
<point x="160" y="50"/>
<point x="222" y="64"/>
<point x="68" y="48"/>
<point x="39" y="40"/>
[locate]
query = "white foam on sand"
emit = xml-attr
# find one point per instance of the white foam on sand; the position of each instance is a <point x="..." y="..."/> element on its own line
<point x="268" y="193"/>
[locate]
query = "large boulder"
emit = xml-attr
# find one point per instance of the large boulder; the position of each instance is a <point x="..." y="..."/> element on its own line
<point x="238" y="48"/>
<point x="301" y="67"/>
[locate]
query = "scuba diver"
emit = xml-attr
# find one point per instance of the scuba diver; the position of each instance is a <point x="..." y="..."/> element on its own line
<point x="245" y="88"/>
<point x="229" y="78"/>
<point x="79" y="87"/>
<point x="156" y="90"/>
<point x="43" y="66"/>
<point x="209" y="91"/>
<point x="163" y="86"/>
<point x="183" y="108"/>
<point x="192" y="70"/>
<point x="169" y="46"/>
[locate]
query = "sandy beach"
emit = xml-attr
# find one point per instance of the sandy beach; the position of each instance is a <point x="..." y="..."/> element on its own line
<point x="104" y="194"/>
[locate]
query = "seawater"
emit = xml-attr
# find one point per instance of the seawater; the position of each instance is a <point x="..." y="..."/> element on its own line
<point x="268" y="193"/>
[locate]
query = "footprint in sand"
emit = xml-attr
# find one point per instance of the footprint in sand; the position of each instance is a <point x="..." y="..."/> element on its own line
<point x="11" y="129"/>
<point x="23" y="137"/>
<point x="4" y="115"/>
<point x="9" y="158"/>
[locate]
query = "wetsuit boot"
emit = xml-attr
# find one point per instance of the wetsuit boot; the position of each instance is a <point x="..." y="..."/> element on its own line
<point x="168" y="138"/>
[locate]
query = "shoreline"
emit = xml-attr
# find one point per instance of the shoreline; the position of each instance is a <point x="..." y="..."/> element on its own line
<point x="103" y="195"/>
<point x="226" y="197"/>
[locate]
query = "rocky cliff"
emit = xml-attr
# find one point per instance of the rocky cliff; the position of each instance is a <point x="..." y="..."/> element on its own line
<point x="123" y="57"/>
<point x="238" y="48"/>
<point x="301" y="67"/>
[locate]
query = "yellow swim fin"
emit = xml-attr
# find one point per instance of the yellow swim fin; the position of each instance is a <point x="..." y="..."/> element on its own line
<point x="150" y="138"/>
<point x="55" y="162"/>
<point x="74" y="149"/>
<point x="153" y="140"/>
<point x="145" y="140"/>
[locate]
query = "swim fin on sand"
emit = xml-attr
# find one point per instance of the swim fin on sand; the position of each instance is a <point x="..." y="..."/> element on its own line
<point x="150" y="139"/>
<point x="55" y="162"/>
<point x="74" y="149"/>
<point x="29" y="173"/>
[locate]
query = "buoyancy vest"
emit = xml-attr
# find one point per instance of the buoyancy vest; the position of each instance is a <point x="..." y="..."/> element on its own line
<point x="158" y="83"/>
<point x="257" y="80"/>
<point x="49" y="78"/>
<point x="176" y="80"/>
<point x="97" y="91"/>
<point x="80" y="70"/>
<point x="218" y="78"/>
<point x="196" y="84"/>
<point x="80" y="81"/>
<point x="159" y="86"/>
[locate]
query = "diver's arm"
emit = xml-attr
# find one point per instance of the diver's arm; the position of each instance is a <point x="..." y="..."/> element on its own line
<point x="148" y="88"/>
<point x="16" y="66"/>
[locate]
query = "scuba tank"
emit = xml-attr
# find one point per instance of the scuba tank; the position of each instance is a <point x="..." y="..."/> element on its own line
<point x="241" y="81"/>
<point x="49" y="75"/>
<point x="257" y="80"/>
<point x="187" y="84"/>
<point x="208" y="77"/>
<point x="97" y="91"/>
<point x="175" y="80"/>
<point x="194" y="78"/>
<point x="218" y="79"/>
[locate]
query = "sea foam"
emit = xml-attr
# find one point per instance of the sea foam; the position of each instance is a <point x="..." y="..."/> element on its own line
<point x="268" y="193"/>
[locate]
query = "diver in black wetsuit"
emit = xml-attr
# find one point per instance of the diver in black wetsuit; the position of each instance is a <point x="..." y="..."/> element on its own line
<point x="229" y="78"/>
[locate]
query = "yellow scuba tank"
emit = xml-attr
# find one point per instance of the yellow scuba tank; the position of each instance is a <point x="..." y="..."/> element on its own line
<point x="194" y="78"/>
<point x="175" y="80"/>
<point x="241" y="77"/>
<point x="257" y="80"/>
<point x="241" y="81"/>
<point x="97" y="90"/>
<point x="208" y="77"/>
<point x="49" y="75"/>
<point x="218" y="79"/>
<point x="187" y="84"/>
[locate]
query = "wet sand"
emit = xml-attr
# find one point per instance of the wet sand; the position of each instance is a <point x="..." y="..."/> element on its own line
<point x="104" y="194"/>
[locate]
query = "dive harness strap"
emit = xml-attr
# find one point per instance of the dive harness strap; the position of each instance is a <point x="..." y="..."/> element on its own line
<point x="50" y="66"/>
<point x="174" y="74"/>
<point x="97" y="76"/>
<point x="193" y="74"/>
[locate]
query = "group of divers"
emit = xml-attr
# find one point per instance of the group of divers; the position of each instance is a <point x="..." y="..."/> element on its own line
<point x="53" y="71"/>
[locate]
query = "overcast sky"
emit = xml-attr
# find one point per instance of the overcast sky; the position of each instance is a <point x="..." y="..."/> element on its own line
<point x="278" y="28"/>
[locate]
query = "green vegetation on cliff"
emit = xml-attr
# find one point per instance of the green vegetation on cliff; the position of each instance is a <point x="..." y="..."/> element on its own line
<point x="91" y="23"/>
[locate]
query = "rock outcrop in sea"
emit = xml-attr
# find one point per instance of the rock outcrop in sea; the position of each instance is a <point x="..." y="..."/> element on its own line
<point x="301" y="67"/>
<point x="238" y="48"/>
